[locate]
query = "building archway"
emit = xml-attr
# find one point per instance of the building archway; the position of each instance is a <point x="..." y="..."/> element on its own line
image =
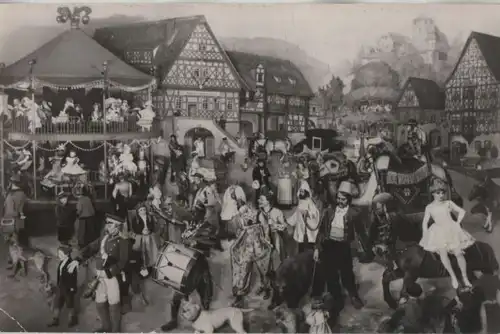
<point x="207" y="137"/>
<point x="246" y="127"/>
<point x="435" y="138"/>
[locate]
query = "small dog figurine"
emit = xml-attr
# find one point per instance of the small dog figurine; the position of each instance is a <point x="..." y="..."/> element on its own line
<point x="209" y="321"/>
<point x="21" y="255"/>
<point x="317" y="316"/>
<point x="286" y="319"/>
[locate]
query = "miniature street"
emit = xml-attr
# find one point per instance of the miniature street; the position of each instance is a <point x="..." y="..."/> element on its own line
<point x="22" y="300"/>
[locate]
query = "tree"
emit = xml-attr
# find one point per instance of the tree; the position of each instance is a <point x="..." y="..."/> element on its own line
<point x="332" y="94"/>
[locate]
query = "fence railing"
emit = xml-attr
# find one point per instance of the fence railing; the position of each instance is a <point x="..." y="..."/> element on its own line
<point x="75" y="125"/>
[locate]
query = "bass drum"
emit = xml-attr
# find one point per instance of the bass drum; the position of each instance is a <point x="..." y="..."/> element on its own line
<point x="176" y="267"/>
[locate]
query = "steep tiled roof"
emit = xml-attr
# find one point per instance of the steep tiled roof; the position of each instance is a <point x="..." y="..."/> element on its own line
<point x="167" y="36"/>
<point x="428" y="92"/>
<point x="490" y="49"/>
<point x="282" y="76"/>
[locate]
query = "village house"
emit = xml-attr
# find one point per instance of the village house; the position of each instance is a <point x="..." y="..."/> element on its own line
<point x="423" y="101"/>
<point x="203" y="90"/>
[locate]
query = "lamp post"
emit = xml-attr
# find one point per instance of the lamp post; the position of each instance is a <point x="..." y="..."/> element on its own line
<point x="80" y="14"/>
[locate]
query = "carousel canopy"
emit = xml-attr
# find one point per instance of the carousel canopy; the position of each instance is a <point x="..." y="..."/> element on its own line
<point x="73" y="60"/>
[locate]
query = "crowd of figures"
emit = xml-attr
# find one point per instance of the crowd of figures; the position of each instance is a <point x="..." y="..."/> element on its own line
<point x="170" y="239"/>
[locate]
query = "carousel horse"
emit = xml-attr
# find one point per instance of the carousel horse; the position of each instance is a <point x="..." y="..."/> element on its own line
<point x="398" y="245"/>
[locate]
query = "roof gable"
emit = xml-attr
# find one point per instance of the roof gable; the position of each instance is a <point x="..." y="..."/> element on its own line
<point x="166" y="37"/>
<point x="429" y="94"/>
<point x="489" y="49"/>
<point x="282" y="76"/>
<point x="73" y="58"/>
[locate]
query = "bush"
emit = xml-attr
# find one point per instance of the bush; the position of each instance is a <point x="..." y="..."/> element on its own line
<point x="494" y="152"/>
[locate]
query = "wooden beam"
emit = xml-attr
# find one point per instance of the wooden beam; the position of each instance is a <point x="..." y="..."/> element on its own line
<point x="83" y="136"/>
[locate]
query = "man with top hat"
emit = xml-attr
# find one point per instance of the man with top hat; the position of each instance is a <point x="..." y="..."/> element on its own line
<point x="13" y="210"/>
<point x="65" y="218"/>
<point x="112" y="250"/>
<point x="337" y="229"/>
<point x="261" y="176"/>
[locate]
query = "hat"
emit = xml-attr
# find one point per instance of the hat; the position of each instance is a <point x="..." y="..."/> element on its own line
<point x="261" y="156"/>
<point x="168" y="200"/>
<point x="304" y="185"/>
<point x="15" y="178"/>
<point x="412" y="121"/>
<point x="112" y="219"/>
<point x="225" y="138"/>
<point x="140" y="205"/>
<point x="62" y="194"/>
<point x="346" y="187"/>
<point x="198" y="174"/>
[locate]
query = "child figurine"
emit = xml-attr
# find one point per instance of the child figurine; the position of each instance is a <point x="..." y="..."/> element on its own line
<point x="67" y="285"/>
<point x="446" y="235"/>
<point x="72" y="167"/>
<point x="55" y="176"/>
<point x="317" y="316"/>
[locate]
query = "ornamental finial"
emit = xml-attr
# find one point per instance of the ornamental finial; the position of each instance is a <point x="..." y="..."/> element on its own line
<point x="75" y="17"/>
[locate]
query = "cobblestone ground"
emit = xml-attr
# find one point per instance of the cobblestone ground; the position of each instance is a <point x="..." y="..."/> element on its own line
<point x="21" y="298"/>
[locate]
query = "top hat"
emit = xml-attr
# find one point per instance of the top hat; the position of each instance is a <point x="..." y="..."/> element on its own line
<point x="346" y="187"/>
<point x="261" y="156"/>
<point x="412" y="121"/>
<point x="112" y="219"/>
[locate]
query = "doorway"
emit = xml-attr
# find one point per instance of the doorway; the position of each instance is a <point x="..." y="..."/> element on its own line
<point x="207" y="137"/>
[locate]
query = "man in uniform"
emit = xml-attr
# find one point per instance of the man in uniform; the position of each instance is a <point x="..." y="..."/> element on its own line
<point x="112" y="250"/>
<point x="14" y="204"/>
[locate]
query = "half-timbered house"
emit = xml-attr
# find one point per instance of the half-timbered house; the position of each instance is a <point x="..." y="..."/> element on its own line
<point x="199" y="84"/>
<point x="472" y="96"/>
<point x="423" y="101"/>
<point x="279" y="94"/>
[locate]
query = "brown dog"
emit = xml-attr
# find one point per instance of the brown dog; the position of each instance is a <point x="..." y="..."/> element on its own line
<point x="20" y="255"/>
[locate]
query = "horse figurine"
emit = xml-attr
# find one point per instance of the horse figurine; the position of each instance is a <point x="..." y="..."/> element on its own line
<point x="404" y="258"/>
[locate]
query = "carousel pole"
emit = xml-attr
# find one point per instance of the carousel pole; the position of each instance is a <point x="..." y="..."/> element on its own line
<point x="33" y="143"/>
<point x="104" y="94"/>
<point x="2" y="148"/>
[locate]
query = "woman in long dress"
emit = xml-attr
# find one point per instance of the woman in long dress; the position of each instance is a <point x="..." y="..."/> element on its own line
<point x="199" y="147"/>
<point x="72" y="166"/>
<point x="446" y="235"/>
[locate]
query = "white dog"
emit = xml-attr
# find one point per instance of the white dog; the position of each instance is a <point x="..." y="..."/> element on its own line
<point x="209" y="321"/>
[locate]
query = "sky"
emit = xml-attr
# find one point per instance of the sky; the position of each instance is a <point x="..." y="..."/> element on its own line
<point x="331" y="33"/>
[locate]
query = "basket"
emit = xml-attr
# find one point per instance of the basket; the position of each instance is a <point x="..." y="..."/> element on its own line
<point x="8" y="225"/>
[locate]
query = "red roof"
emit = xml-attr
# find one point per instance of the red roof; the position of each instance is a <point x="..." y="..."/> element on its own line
<point x="73" y="60"/>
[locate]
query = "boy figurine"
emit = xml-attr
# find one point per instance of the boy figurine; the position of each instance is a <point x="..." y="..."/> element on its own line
<point x="66" y="287"/>
<point x="409" y="317"/>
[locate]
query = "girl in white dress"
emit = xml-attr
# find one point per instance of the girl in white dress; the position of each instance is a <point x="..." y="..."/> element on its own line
<point x="72" y="166"/>
<point x="446" y="235"/>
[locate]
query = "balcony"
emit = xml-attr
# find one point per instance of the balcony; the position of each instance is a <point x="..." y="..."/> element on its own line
<point x="76" y="129"/>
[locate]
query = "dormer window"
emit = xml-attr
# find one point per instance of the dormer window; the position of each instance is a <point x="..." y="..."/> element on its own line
<point x="277" y="79"/>
<point x="260" y="75"/>
<point x="292" y="81"/>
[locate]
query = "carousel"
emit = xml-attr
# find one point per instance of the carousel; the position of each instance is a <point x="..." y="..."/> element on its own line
<point x="67" y="125"/>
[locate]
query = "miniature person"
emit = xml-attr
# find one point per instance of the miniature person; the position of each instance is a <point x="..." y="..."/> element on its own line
<point x="261" y="176"/>
<point x="195" y="166"/>
<point x="72" y="166"/>
<point x="14" y="203"/>
<point x="126" y="161"/>
<point x="55" y="176"/>
<point x="122" y="194"/>
<point x="66" y="287"/>
<point x="285" y="184"/>
<point x="65" y="218"/>
<point x="446" y="235"/>
<point x="274" y="223"/>
<point x="416" y="138"/>
<point x="96" y="115"/>
<point x="317" y="316"/>
<point x="251" y="248"/>
<point x="409" y="317"/>
<point x="24" y="161"/>
<point x="305" y="219"/>
<point x="32" y="114"/>
<point x="225" y="150"/>
<point x="338" y="225"/>
<point x="112" y="110"/>
<point x="85" y="211"/>
<point x="177" y="157"/>
<point x="143" y="168"/>
<point x="112" y="256"/>
<point x="142" y="229"/>
<point x="147" y="116"/>
<point x="199" y="147"/>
